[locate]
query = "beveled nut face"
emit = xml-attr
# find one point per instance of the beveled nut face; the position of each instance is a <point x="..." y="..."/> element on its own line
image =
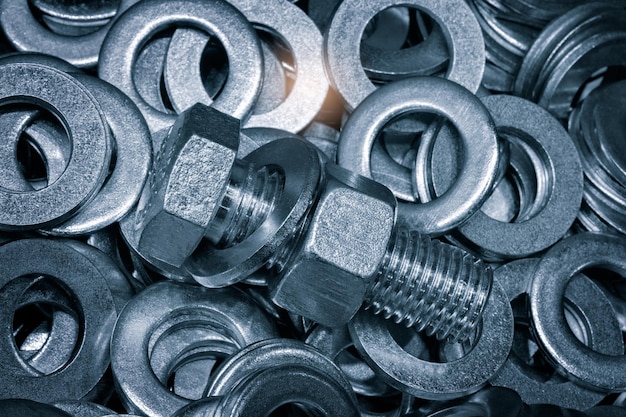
<point x="190" y="177"/>
<point x="341" y="251"/>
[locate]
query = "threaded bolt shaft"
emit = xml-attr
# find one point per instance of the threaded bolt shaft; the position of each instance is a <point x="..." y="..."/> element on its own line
<point x="251" y="195"/>
<point x="438" y="288"/>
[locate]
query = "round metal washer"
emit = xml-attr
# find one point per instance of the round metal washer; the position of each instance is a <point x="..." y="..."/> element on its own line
<point x="133" y="158"/>
<point x="248" y="379"/>
<point x="299" y="163"/>
<point x="605" y="334"/>
<point x="267" y="354"/>
<point x="563" y="176"/>
<point x="131" y="341"/>
<point x="144" y="20"/>
<point x="270" y="388"/>
<point x="343" y="39"/>
<point x="91" y="151"/>
<point x="438" y="381"/>
<point x="293" y="27"/>
<point x="556" y="268"/>
<point x="86" y="283"/>
<point x="465" y="111"/>
<point x="26" y="34"/>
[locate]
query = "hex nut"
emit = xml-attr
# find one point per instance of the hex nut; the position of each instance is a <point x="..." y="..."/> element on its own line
<point x="341" y="251"/>
<point x="191" y="174"/>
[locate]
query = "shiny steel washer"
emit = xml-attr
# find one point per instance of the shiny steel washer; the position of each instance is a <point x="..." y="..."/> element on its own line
<point x="132" y="339"/>
<point x="343" y="39"/>
<point x="142" y="21"/>
<point x="28" y="257"/>
<point x="133" y="151"/>
<point x="446" y="98"/>
<point x="91" y="150"/>
<point x="438" y="381"/>
<point x="604" y="332"/>
<point x="26" y="34"/>
<point x="287" y="367"/>
<point x="299" y="163"/>
<point x="562" y="181"/>
<point x="556" y="268"/>
<point x="293" y="27"/>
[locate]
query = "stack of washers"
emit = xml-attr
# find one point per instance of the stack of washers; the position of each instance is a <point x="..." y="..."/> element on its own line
<point x="306" y="208"/>
<point x="597" y="128"/>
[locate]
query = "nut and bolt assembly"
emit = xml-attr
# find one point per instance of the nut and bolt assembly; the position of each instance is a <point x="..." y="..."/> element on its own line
<point x="228" y="208"/>
<point x="346" y="250"/>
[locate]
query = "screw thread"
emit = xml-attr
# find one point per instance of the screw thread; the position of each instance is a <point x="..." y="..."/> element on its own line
<point x="436" y="287"/>
<point x="250" y="197"/>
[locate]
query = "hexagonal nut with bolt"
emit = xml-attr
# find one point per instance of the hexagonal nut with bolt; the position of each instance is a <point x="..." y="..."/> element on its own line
<point x="341" y="251"/>
<point x="353" y="253"/>
<point x="190" y="178"/>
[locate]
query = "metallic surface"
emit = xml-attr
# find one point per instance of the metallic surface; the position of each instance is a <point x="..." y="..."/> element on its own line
<point x="29" y="408"/>
<point x="141" y="323"/>
<point x="273" y="372"/>
<point x="429" y="57"/>
<point x="340" y="252"/>
<point x="91" y="148"/>
<point x="189" y="180"/>
<point x="557" y="170"/>
<point x="602" y="332"/>
<point x="291" y="26"/>
<point x="343" y="37"/>
<point x="334" y="343"/>
<point x="82" y="408"/>
<point x="491" y="401"/>
<point x="431" y="380"/>
<point x="601" y="371"/>
<point x="298" y="163"/>
<point x="445" y="98"/>
<point x="136" y="26"/>
<point x="55" y="259"/>
<point x="26" y="34"/>
<point x="133" y="159"/>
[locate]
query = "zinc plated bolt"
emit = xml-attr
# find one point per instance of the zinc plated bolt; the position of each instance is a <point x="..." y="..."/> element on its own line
<point x="354" y="253"/>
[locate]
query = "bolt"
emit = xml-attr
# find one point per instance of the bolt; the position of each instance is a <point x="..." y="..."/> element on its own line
<point x="353" y="253"/>
<point x="345" y="252"/>
<point x="436" y="287"/>
<point x="201" y="189"/>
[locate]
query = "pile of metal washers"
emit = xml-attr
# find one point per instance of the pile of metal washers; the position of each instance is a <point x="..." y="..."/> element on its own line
<point x="401" y="208"/>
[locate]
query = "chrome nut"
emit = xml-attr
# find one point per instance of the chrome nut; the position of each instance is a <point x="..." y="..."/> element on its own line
<point x="188" y="183"/>
<point x="341" y="251"/>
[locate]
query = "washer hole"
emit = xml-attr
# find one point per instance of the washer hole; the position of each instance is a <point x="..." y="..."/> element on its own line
<point x="46" y="148"/>
<point x="428" y="348"/>
<point x="41" y="147"/>
<point x="526" y="348"/>
<point x="48" y="325"/>
<point x="186" y="347"/>
<point x="601" y="77"/>
<point x="395" y="148"/>
<point x="214" y="67"/>
<point x="525" y="182"/>
<point x="612" y="282"/>
<point x="281" y="48"/>
<point x="390" y="42"/>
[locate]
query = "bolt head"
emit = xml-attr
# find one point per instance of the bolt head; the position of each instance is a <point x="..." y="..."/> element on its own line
<point x="188" y="183"/>
<point x="340" y="252"/>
